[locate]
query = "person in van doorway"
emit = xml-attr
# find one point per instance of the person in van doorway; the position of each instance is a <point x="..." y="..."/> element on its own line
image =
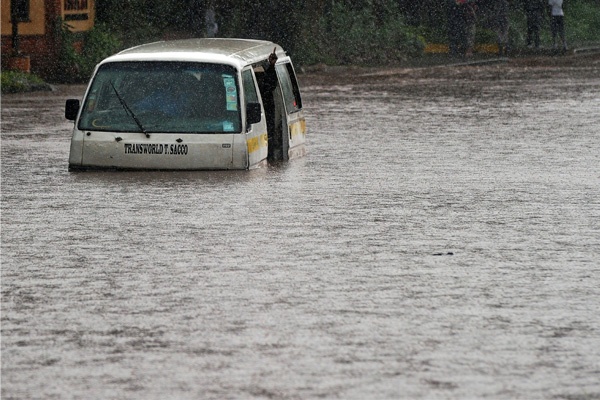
<point x="267" y="87"/>
<point x="534" y="11"/>
<point x="557" y="23"/>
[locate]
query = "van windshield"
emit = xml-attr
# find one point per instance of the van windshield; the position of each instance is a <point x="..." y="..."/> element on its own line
<point x="165" y="97"/>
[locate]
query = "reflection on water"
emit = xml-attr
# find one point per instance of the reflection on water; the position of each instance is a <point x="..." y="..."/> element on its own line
<point x="440" y="239"/>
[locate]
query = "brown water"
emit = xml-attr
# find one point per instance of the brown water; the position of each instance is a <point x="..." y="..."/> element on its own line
<point x="441" y="239"/>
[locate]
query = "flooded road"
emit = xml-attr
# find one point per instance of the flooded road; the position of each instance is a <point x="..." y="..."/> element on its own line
<point x="441" y="239"/>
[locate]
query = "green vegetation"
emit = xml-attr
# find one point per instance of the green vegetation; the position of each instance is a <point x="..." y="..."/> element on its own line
<point x="327" y="31"/>
<point x="15" y="82"/>
<point x="97" y="44"/>
<point x="353" y="36"/>
<point x="582" y="22"/>
<point x="362" y="32"/>
<point x="313" y="31"/>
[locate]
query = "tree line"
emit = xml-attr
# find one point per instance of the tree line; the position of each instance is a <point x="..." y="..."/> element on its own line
<point x="335" y="32"/>
<point x="289" y="23"/>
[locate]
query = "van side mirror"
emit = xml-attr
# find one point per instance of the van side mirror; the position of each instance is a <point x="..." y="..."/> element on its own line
<point x="71" y="109"/>
<point x="253" y="113"/>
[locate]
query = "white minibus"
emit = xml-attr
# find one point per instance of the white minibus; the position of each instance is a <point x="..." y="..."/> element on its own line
<point x="190" y="104"/>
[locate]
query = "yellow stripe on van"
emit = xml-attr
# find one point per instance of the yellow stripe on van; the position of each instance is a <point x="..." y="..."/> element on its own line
<point x="257" y="142"/>
<point x="264" y="140"/>
<point x="298" y="128"/>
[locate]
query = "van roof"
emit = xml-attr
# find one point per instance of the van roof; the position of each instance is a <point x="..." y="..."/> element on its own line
<point x="236" y="52"/>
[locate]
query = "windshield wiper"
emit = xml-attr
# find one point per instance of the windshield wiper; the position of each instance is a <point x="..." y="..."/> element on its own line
<point x="129" y="111"/>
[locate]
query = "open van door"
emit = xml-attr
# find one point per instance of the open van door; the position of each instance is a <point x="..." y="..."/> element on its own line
<point x="256" y="124"/>
<point x="292" y="116"/>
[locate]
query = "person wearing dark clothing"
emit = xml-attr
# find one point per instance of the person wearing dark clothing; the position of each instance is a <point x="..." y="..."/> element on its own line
<point x="469" y="10"/>
<point x="461" y="27"/>
<point x="267" y="87"/>
<point x="501" y="26"/>
<point x="534" y="11"/>
<point x="455" y="27"/>
<point x="494" y="15"/>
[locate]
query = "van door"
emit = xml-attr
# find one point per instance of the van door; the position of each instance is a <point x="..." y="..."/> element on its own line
<point x="293" y="122"/>
<point x="256" y="134"/>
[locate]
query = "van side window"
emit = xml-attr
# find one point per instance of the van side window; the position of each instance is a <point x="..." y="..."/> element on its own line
<point x="289" y="87"/>
<point x="249" y="87"/>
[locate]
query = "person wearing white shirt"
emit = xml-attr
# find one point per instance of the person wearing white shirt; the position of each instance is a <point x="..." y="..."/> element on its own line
<point x="557" y="22"/>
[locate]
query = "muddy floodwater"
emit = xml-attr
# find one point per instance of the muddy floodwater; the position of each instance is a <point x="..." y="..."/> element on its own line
<point x="441" y="239"/>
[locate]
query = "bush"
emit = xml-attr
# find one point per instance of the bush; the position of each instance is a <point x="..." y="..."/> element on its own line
<point x="15" y="82"/>
<point x="331" y="32"/>
<point x="360" y="36"/>
<point x="582" y="19"/>
<point x="97" y="44"/>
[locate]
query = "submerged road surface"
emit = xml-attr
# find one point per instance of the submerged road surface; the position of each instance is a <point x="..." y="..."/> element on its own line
<point x="441" y="239"/>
